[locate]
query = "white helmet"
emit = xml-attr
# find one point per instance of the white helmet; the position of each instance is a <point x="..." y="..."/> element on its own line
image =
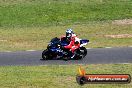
<point x="69" y="33"/>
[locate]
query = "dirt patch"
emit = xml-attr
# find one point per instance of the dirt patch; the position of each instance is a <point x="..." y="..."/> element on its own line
<point x="120" y="36"/>
<point x="123" y="22"/>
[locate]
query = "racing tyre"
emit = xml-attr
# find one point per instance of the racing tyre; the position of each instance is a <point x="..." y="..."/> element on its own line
<point x="66" y="57"/>
<point x="83" y="51"/>
<point x="77" y="54"/>
<point x="45" y="54"/>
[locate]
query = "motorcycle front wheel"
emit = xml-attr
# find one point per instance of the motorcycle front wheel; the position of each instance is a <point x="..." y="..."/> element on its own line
<point x="45" y="54"/>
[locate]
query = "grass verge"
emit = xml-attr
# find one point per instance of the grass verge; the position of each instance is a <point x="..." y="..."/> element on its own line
<point x="62" y="76"/>
<point x="37" y="38"/>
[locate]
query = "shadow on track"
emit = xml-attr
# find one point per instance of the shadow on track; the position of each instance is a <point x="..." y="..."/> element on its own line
<point x="59" y="59"/>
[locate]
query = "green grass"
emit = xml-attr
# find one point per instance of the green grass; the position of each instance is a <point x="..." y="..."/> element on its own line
<point x="26" y="13"/>
<point x="30" y="24"/>
<point x="38" y="37"/>
<point x="62" y="76"/>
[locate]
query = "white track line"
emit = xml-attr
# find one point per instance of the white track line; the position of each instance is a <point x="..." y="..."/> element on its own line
<point x="108" y="47"/>
<point x="88" y="48"/>
<point x="7" y="51"/>
<point x="30" y="50"/>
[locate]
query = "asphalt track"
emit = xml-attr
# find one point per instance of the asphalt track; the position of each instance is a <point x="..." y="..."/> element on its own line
<point x="94" y="56"/>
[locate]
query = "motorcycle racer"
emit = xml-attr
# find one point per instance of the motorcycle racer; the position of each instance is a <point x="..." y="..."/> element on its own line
<point x="73" y="41"/>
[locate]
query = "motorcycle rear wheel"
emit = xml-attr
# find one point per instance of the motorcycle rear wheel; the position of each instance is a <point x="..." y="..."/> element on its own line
<point x="80" y="53"/>
<point x="83" y="51"/>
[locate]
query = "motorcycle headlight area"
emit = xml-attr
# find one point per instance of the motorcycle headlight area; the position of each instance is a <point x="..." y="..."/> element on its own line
<point x="49" y="45"/>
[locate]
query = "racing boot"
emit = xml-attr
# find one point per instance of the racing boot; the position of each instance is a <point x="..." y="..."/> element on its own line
<point x="72" y="55"/>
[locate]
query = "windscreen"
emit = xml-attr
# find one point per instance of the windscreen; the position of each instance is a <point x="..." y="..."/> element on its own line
<point x="55" y="40"/>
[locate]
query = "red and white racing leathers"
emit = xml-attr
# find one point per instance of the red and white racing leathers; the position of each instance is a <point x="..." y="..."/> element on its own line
<point x="74" y="43"/>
